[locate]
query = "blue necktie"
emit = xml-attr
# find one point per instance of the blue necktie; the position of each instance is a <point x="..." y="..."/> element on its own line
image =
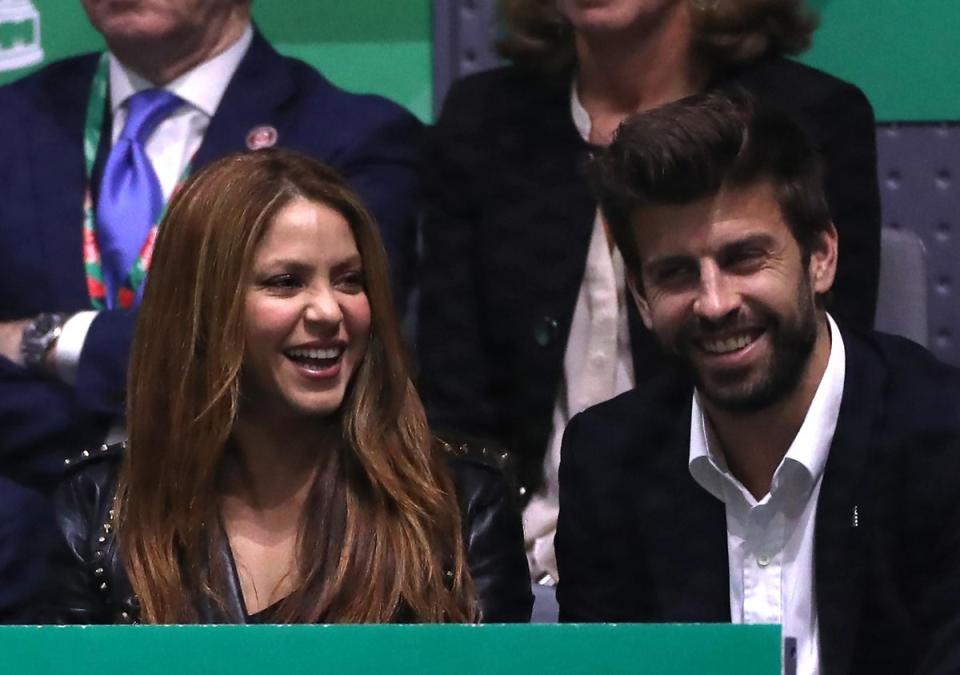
<point x="131" y="198"/>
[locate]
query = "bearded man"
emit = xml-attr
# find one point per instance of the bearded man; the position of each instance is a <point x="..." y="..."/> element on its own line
<point x="791" y="470"/>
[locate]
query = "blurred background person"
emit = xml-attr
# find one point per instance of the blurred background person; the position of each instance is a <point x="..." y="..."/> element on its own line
<point x="524" y="317"/>
<point x="95" y="147"/>
<point x="279" y="466"/>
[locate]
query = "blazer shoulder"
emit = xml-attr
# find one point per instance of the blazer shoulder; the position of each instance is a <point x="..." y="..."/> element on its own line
<point x="919" y="392"/>
<point x="357" y="109"/>
<point x="794" y="85"/>
<point x="54" y="75"/>
<point x="508" y="94"/>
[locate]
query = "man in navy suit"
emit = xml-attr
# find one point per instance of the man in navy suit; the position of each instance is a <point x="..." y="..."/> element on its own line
<point x="64" y="337"/>
<point x="792" y="470"/>
<point x="26" y="533"/>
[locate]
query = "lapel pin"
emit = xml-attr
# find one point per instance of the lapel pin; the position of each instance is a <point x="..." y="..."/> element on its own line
<point x="262" y="136"/>
<point x="855" y="519"/>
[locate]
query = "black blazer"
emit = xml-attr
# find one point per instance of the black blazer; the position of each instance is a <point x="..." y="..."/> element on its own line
<point x="639" y="540"/>
<point x="87" y="583"/>
<point x="507" y="227"/>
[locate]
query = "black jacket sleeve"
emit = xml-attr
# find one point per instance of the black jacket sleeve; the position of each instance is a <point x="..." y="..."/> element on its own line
<point x="493" y="538"/>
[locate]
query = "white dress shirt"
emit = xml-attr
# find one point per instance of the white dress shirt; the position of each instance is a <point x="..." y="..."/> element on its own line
<point x="170" y="148"/>
<point x="770" y="542"/>
<point x="597" y="365"/>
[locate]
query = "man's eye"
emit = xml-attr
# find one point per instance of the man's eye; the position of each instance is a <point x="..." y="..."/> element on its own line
<point x="745" y="259"/>
<point x="672" y="274"/>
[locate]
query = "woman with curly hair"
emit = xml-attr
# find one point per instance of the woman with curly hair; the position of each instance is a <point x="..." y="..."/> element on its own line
<point x="524" y="317"/>
<point x="279" y="466"/>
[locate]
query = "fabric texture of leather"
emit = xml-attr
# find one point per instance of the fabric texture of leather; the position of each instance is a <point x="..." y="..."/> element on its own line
<point x="87" y="583"/>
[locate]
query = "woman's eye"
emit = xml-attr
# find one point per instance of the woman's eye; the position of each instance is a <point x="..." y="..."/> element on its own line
<point x="351" y="282"/>
<point x="281" y="281"/>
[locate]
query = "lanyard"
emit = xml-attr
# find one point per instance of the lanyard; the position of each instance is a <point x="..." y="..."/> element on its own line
<point x="130" y="292"/>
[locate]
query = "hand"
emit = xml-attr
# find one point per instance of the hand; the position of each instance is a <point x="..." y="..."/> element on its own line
<point x="11" y="335"/>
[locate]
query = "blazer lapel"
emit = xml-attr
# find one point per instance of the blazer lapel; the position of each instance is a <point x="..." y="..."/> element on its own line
<point x="685" y="529"/>
<point x="838" y="540"/>
<point x="56" y="163"/>
<point x="255" y="94"/>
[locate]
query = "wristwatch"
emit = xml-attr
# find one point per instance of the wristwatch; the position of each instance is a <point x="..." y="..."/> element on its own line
<point x="38" y="337"/>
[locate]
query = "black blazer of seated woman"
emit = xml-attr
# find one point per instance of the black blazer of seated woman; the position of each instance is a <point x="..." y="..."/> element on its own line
<point x="88" y="583"/>
<point x="279" y="465"/>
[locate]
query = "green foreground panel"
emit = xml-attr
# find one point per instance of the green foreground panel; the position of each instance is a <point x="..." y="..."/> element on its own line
<point x="460" y="650"/>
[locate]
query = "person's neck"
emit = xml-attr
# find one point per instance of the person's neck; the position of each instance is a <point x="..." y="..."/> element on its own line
<point x="754" y="444"/>
<point x="620" y="74"/>
<point x="164" y="60"/>
<point x="272" y="466"/>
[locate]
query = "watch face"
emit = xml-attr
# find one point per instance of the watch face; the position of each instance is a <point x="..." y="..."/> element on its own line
<point x="38" y="336"/>
<point x="45" y="323"/>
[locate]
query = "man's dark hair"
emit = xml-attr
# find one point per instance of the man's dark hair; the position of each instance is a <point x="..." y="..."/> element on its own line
<point x="693" y="148"/>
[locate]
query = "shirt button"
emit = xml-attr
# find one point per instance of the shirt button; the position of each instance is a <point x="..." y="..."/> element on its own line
<point x="763" y="560"/>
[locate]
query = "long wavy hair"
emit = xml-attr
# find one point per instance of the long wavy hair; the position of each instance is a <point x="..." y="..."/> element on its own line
<point x="726" y="32"/>
<point x="380" y="536"/>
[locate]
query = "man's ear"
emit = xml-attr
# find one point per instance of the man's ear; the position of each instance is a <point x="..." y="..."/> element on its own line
<point x="823" y="260"/>
<point x="635" y="284"/>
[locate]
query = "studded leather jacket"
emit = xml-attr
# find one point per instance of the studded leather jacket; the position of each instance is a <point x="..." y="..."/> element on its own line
<point x="88" y="584"/>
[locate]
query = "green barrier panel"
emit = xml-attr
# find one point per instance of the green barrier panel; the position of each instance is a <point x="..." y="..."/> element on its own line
<point x="718" y="649"/>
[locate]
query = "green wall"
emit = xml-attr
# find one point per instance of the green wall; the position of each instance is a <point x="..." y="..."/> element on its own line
<point x="905" y="54"/>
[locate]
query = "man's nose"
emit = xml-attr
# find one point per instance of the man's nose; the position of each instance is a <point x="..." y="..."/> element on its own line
<point x="717" y="296"/>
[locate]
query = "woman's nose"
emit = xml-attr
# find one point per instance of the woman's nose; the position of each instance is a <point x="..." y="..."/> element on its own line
<point x="322" y="307"/>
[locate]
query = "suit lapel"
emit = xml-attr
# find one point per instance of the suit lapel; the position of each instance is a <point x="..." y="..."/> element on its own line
<point x="255" y="94"/>
<point x="56" y="164"/>
<point x="838" y="540"/>
<point x="685" y="528"/>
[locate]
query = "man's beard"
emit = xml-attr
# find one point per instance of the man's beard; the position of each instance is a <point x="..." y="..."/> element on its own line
<point x="790" y="348"/>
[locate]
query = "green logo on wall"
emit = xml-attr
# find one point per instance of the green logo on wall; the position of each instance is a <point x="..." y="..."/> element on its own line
<point x="19" y="35"/>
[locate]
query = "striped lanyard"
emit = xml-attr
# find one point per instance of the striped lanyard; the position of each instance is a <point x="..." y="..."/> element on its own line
<point x="129" y="293"/>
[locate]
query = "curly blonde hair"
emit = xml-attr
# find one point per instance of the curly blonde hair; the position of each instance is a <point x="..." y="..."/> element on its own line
<point x="726" y="32"/>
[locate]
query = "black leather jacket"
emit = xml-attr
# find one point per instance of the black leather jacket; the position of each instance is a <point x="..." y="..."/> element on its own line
<point x="88" y="584"/>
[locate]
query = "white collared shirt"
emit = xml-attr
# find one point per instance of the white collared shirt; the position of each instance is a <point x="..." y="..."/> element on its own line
<point x="597" y="366"/>
<point x="770" y="543"/>
<point x="170" y="148"/>
<point x="173" y="143"/>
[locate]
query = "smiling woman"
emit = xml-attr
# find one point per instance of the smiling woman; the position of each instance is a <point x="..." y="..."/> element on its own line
<point x="279" y="466"/>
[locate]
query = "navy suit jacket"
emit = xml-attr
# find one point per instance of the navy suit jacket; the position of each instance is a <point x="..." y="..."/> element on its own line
<point x="27" y="530"/>
<point x="372" y="142"/>
<point x="639" y="540"/>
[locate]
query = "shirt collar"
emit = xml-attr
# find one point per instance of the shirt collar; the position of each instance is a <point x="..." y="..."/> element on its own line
<point x="581" y="118"/>
<point x="809" y="449"/>
<point x="202" y="87"/>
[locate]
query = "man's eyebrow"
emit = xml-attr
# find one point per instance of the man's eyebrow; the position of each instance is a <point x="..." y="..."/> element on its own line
<point x="668" y="260"/>
<point x="762" y="239"/>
